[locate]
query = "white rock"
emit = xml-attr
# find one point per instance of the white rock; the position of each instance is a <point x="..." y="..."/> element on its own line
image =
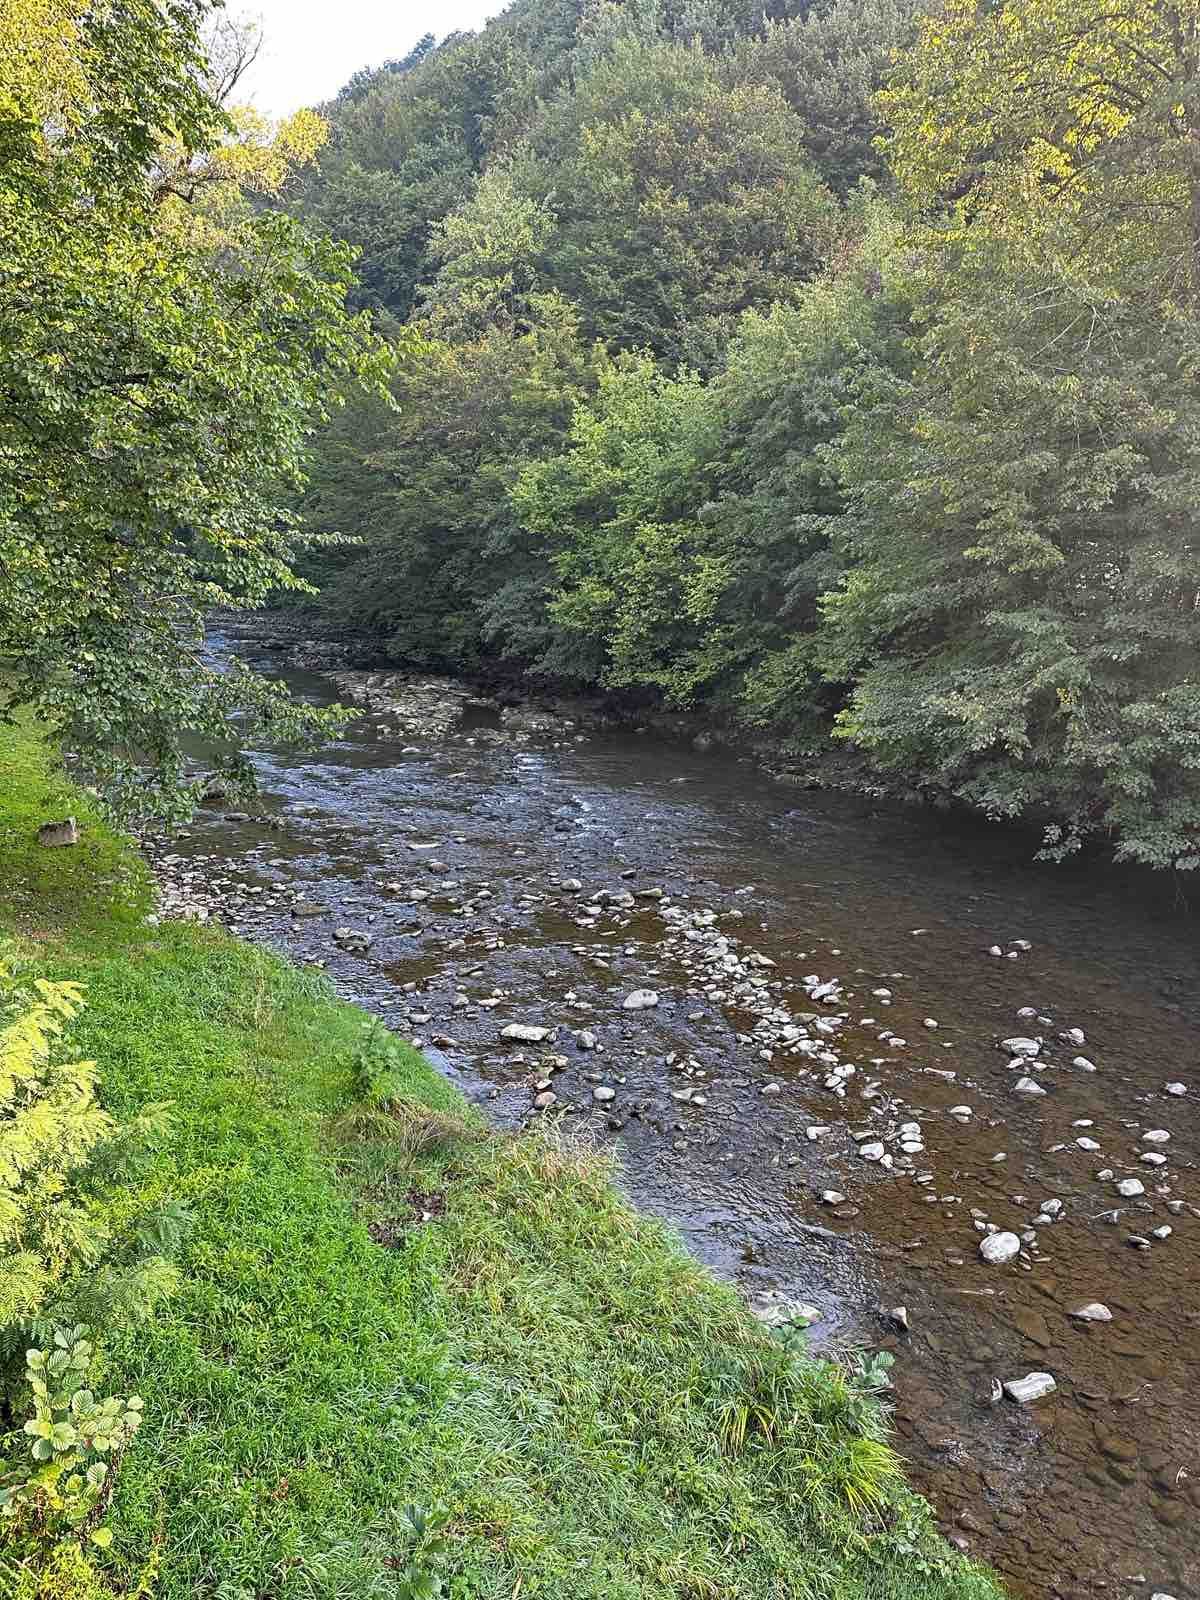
<point x="1033" y="1386"/>
<point x="1164" y="1232"/>
<point x="602" y="1094"/>
<point x="1130" y="1188"/>
<point x="1027" y="1086"/>
<point x="873" y="1151"/>
<point x="1094" y="1311"/>
<point x="1083" y="1064"/>
<point x="1075" y="1036"/>
<point x="832" y="1197"/>
<point x="995" y="950"/>
<point x="1155" y="1136"/>
<point x="997" y="1248"/>
<point x="931" y="1022"/>
<point x="1087" y="1144"/>
<point x="1151" y="1158"/>
<point x="1177" y="1089"/>
<point x="640" y="1000"/>
<point x="961" y="1111"/>
<point x="1021" y="1046"/>
<point x="525" y="1033"/>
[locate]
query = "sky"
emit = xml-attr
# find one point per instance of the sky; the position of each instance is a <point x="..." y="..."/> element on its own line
<point x="311" y="47"/>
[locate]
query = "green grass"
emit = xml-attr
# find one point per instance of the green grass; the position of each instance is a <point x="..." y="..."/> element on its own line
<point x="385" y="1306"/>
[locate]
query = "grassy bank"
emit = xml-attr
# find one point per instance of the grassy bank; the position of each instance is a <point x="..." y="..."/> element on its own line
<point x="380" y="1307"/>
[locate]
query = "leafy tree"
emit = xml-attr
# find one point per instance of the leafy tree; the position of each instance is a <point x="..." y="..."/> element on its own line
<point x="679" y="201"/>
<point x="424" y="484"/>
<point x="830" y="64"/>
<point x="1020" y="613"/>
<point x="165" y="351"/>
<point x="616" y="509"/>
<point x="1067" y="130"/>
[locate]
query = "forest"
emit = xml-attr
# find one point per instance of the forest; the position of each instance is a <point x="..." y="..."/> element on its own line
<point x="831" y="369"/>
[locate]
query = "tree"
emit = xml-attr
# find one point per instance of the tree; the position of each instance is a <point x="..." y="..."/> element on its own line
<point x="166" y="349"/>
<point x="680" y="202"/>
<point x="1069" y="131"/>
<point x="830" y="62"/>
<point x="1020" y="612"/>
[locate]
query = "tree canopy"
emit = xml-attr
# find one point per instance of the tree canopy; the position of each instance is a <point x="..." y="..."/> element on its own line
<point x="167" y="346"/>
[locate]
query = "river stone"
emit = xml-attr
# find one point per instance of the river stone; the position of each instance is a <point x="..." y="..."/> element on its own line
<point x="1033" y="1386"/>
<point x="1094" y="1311"/>
<point x="1177" y="1089"/>
<point x="602" y="1094"/>
<point x="1021" y="1046"/>
<point x="872" y="1151"/>
<point x="1155" y="1136"/>
<point x="545" y="1100"/>
<point x="640" y="1000"/>
<point x="1130" y="1188"/>
<point x="525" y="1033"/>
<point x="1028" y="1086"/>
<point x="997" y="1248"/>
<point x="1087" y="1144"/>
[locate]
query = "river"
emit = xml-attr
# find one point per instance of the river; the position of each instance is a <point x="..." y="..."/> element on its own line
<point x="449" y="861"/>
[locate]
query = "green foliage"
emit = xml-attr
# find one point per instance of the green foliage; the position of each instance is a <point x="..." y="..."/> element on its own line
<point x="420" y="1578"/>
<point x="75" y="1441"/>
<point x="679" y="200"/>
<point x="61" y="1254"/>
<point x="166" y="349"/>
<point x="830" y="62"/>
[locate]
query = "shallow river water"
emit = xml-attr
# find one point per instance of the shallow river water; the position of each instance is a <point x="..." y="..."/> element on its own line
<point x="456" y="858"/>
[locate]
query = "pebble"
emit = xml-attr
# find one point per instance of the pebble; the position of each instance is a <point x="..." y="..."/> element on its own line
<point x="997" y="1248"/>
<point x="602" y="1094"/>
<point x="1177" y="1089"/>
<point x="873" y="1151"/>
<point x="1028" y="1086"/>
<point x="1094" y="1311"/>
<point x="525" y="1033"/>
<point x="1033" y="1386"/>
<point x="640" y="1000"/>
<point x="1130" y="1188"/>
<point x="1155" y="1136"/>
<point x="1021" y="1046"/>
<point x="833" y="1197"/>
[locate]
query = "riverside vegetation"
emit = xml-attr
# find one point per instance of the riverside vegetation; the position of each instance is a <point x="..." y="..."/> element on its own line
<point x="337" y="1298"/>
<point x="831" y="369"/>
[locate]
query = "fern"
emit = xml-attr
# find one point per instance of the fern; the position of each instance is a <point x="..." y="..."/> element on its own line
<point x="61" y="1254"/>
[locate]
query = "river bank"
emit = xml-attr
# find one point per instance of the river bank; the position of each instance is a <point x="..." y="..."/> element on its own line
<point x="536" y="882"/>
<point x="382" y="1303"/>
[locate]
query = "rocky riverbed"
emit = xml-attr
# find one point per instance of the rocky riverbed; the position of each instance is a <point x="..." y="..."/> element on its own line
<point x="866" y="1062"/>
